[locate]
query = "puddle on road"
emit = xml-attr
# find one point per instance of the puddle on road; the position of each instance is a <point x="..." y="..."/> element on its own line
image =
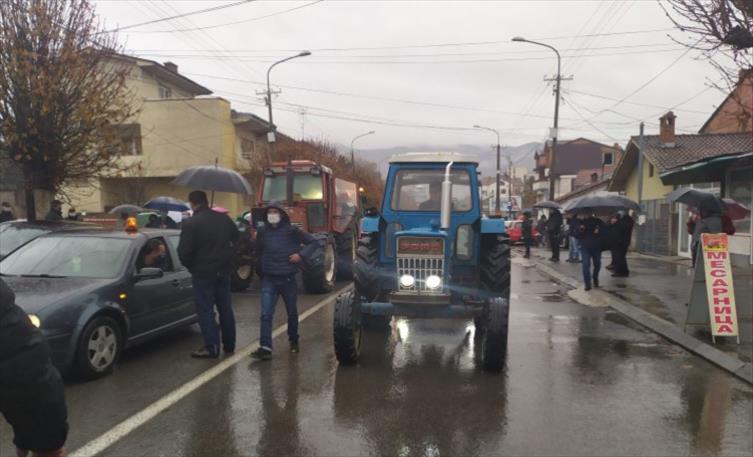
<point x="646" y="301"/>
<point x="552" y="297"/>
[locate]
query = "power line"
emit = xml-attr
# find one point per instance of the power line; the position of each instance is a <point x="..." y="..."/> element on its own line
<point x="191" y="29"/>
<point x="647" y="105"/>
<point x="191" y="13"/>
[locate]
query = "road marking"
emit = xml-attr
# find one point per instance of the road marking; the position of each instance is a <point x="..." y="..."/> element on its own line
<point x="124" y="428"/>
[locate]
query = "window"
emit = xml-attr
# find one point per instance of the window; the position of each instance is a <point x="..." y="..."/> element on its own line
<point x="247" y="148"/>
<point x="164" y="263"/>
<point x="740" y="189"/>
<point x="345" y="203"/>
<point x="174" y="241"/>
<point x="305" y="187"/>
<point x="608" y="158"/>
<point x="164" y="91"/>
<point x="421" y="190"/>
<point x="68" y="256"/>
<point x="464" y="242"/>
<point x="130" y="139"/>
<point x="650" y="170"/>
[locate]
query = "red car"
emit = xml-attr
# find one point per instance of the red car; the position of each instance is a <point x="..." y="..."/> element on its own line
<point x="515" y="232"/>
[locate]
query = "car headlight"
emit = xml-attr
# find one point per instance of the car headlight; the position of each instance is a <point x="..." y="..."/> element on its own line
<point x="433" y="282"/>
<point x="34" y="319"/>
<point x="407" y="280"/>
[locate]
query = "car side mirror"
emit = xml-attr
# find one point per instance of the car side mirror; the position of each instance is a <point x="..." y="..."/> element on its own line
<point x="148" y="273"/>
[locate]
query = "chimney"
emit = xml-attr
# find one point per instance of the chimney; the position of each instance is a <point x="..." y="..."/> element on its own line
<point x="171" y="66"/>
<point x="667" y="130"/>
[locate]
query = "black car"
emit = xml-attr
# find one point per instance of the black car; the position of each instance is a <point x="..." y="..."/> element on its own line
<point x="15" y="233"/>
<point x="92" y="293"/>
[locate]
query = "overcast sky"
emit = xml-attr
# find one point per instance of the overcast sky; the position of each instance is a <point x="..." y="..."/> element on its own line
<point x="432" y="63"/>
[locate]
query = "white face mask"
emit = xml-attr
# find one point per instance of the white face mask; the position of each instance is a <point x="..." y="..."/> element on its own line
<point x="273" y="218"/>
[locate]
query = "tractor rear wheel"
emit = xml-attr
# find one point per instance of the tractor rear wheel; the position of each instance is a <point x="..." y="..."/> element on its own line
<point x="347" y="245"/>
<point x="495" y="265"/>
<point x="495" y="335"/>
<point x="347" y="328"/>
<point x="319" y="276"/>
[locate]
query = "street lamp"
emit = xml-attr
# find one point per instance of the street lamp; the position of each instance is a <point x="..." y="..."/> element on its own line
<point x="352" y="154"/>
<point x="272" y="128"/>
<point x="558" y="79"/>
<point x="499" y="170"/>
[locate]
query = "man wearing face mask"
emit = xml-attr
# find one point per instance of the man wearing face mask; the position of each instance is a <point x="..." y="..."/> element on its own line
<point x="279" y="246"/>
<point x="207" y="249"/>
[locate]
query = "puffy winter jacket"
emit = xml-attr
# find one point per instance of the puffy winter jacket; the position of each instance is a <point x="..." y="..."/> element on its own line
<point x="276" y="243"/>
<point x="207" y="243"/>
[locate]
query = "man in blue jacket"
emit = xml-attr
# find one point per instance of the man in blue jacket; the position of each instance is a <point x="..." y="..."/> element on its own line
<point x="279" y="252"/>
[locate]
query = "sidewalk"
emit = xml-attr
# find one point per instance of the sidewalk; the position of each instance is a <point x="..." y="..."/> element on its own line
<point x="661" y="287"/>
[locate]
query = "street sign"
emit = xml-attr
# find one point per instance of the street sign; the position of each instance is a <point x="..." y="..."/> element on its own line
<point x="712" y="298"/>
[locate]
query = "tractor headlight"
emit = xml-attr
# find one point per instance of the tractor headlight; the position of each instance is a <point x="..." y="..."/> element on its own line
<point x="433" y="282"/>
<point x="407" y="281"/>
<point x="35" y="320"/>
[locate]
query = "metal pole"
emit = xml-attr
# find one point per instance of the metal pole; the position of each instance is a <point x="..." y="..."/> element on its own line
<point x="352" y="153"/>
<point x="553" y="161"/>
<point x="499" y="175"/>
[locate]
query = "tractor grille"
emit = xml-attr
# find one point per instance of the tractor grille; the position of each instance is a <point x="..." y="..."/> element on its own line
<point x="420" y="268"/>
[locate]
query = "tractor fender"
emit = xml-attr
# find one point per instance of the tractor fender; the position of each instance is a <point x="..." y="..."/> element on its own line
<point x="370" y="224"/>
<point x="493" y="226"/>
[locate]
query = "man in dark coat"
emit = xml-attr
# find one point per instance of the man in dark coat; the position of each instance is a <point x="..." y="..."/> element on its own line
<point x="527" y="229"/>
<point x="541" y="228"/>
<point x="279" y="247"/>
<point x="554" y="229"/>
<point x="589" y="234"/>
<point x="31" y="390"/>
<point x="56" y="211"/>
<point x="207" y="249"/>
<point x="623" y="232"/>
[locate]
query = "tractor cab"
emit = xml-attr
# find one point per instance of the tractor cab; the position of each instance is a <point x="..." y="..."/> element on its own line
<point x="430" y="253"/>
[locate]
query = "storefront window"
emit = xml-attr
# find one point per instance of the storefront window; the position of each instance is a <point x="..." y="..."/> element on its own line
<point x="740" y="189"/>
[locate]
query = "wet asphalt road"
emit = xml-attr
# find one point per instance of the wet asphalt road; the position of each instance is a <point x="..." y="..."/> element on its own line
<point x="579" y="381"/>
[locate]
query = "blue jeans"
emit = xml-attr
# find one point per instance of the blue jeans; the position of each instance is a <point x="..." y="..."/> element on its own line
<point x="271" y="288"/>
<point x="590" y="254"/>
<point x="208" y="293"/>
<point x="574" y="249"/>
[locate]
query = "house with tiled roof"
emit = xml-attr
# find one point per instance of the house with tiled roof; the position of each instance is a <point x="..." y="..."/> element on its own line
<point x="654" y="165"/>
<point x="578" y="163"/>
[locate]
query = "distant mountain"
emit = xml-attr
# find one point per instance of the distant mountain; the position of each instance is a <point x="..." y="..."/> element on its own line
<point x="522" y="155"/>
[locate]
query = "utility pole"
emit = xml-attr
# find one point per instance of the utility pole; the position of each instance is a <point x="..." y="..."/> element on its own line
<point x="499" y="169"/>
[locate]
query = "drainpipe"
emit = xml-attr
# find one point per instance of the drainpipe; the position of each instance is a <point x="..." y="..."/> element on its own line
<point x="640" y="168"/>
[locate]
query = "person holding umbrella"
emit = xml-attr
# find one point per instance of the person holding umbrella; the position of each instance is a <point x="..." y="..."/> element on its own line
<point x="527" y="230"/>
<point x="554" y="229"/>
<point x="207" y="249"/>
<point x="589" y="232"/>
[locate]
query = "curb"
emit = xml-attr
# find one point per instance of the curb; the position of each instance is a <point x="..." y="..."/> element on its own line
<point x="732" y="365"/>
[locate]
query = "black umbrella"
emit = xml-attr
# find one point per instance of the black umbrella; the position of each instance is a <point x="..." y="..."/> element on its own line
<point x="546" y="204"/>
<point x="705" y="201"/>
<point x="126" y="209"/>
<point x="167" y="204"/>
<point x="214" y="178"/>
<point x="610" y="202"/>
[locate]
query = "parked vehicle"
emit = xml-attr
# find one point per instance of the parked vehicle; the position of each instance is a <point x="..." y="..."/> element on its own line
<point x="14" y="234"/>
<point x="515" y="232"/>
<point x="430" y="253"/>
<point x="83" y="289"/>
<point x="320" y="203"/>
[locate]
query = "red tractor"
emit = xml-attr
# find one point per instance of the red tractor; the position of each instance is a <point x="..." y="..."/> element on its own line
<point x="321" y="204"/>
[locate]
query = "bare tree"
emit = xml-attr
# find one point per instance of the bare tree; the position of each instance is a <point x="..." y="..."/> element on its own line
<point x="723" y="31"/>
<point x="62" y="94"/>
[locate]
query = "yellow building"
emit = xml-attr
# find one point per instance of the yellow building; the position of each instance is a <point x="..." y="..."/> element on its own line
<point x="718" y="163"/>
<point x="179" y="125"/>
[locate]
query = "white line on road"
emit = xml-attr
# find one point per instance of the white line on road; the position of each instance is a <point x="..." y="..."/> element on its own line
<point x="124" y="428"/>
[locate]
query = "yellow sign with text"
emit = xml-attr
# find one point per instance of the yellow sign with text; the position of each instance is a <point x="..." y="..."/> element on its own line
<point x="719" y="287"/>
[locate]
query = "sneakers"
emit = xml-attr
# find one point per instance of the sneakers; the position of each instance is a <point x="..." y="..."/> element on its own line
<point x="294" y="349"/>
<point x="588" y="288"/>
<point x="205" y="353"/>
<point x="610" y="267"/>
<point x="262" y="354"/>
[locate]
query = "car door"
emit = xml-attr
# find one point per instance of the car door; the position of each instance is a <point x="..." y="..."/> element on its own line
<point x="156" y="299"/>
<point x="184" y="294"/>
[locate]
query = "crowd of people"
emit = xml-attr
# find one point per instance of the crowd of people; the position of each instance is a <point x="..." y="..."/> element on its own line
<point x="587" y="236"/>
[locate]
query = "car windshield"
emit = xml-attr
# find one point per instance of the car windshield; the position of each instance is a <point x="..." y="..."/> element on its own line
<point x="421" y="190"/>
<point x="305" y="187"/>
<point x="13" y="236"/>
<point x="68" y="256"/>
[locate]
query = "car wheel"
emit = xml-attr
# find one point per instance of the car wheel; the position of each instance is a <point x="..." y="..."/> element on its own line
<point x="99" y="347"/>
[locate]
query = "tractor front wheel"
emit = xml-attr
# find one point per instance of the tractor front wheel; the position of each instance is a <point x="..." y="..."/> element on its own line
<point x="495" y="335"/>
<point x="347" y="328"/>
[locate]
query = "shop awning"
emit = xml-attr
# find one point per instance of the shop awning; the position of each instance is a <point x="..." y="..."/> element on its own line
<point x="711" y="169"/>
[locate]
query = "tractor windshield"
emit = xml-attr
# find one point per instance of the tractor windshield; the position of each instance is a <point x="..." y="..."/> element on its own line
<point x="305" y="187"/>
<point x="421" y="190"/>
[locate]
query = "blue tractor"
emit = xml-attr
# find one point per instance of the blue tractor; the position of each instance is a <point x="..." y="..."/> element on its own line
<point x="430" y="253"/>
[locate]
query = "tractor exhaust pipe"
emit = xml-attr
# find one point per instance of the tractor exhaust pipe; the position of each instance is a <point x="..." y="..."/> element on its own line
<point x="446" y="205"/>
